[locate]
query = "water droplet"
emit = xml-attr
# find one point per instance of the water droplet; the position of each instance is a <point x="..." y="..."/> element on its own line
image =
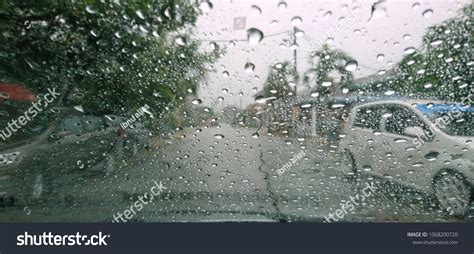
<point x="181" y="41"/>
<point x="256" y="10"/>
<point x="142" y="28"/>
<point x="282" y="6"/>
<point x="299" y="33"/>
<point x="196" y="101"/>
<point x="249" y="67"/>
<point x="428" y="85"/>
<point x="415" y="6"/>
<point x="351" y="66"/>
<point x="326" y="83"/>
<point x="80" y="164"/>
<point x="140" y="14"/>
<point x="327" y="15"/>
<point x="94" y="33"/>
<point x="436" y="42"/>
<point x="379" y="10"/>
<point x="205" y="6"/>
<point x="219" y="136"/>
<point x="168" y="12"/>
<point x="367" y="168"/>
<point x="428" y="13"/>
<point x="79" y="108"/>
<point x="400" y="140"/>
<point x="118" y="35"/>
<point x="380" y="57"/>
<point x="409" y="51"/>
<point x="91" y="9"/>
<point x="254" y="36"/>
<point x="432" y="156"/>
<point x="389" y="92"/>
<point x="296" y="20"/>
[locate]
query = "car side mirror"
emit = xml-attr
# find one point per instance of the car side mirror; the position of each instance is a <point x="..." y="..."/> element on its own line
<point x="414" y="131"/>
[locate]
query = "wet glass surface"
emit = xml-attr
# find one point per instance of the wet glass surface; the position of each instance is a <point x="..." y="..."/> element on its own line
<point x="318" y="111"/>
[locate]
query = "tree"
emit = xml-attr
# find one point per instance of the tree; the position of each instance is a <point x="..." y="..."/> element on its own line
<point x="278" y="81"/>
<point x="108" y="56"/>
<point x="443" y="67"/>
<point x="328" y="63"/>
<point x="278" y="87"/>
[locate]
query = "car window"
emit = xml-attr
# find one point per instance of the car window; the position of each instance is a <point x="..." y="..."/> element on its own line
<point x="398" y="118"/>
<point x="70" y="125"/>
<point x="368" y="118"/>
<point x="92" y="123"/>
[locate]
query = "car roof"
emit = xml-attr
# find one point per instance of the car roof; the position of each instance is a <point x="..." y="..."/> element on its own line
<point x="444" y="107"/>
<point x="426" y="107"/>
<point x="408" y="102"/>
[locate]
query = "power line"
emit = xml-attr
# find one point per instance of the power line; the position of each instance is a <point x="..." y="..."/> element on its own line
<point x="235" y="40"/>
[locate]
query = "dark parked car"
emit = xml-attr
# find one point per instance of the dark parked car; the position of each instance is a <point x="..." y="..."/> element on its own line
<point x="72" y="144"/>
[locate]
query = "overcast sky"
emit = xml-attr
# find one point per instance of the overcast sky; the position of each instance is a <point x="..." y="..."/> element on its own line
<point x="348" y="25"/>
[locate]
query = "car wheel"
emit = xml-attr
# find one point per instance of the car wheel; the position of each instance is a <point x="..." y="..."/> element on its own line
<point x="347" y="164"/>
<point x="452" y="192"/>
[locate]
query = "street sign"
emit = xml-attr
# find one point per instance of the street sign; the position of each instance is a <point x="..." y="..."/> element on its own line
<point x="240" y="23"/>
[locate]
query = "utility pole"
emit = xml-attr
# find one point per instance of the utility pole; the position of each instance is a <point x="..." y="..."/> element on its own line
<point x="295" y="60"/>
<point x="295" y="105"/>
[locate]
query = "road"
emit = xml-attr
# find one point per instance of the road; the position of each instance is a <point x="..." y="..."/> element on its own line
<point x="227" y="173"/>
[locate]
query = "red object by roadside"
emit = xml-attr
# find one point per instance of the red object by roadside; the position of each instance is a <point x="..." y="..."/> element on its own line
<point x="121" y="132"/>
<point x="16" y="92"/>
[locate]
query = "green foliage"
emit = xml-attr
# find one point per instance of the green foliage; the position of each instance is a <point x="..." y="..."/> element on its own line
<point x="330" y="61"/>
<point x="278" y="81"/>
<point x="109" y="56"/>
<point x="444" y="62"/>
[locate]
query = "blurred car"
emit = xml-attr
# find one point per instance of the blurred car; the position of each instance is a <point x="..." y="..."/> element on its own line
<point x="74" y="144"/>
<point x="425" y="145"/>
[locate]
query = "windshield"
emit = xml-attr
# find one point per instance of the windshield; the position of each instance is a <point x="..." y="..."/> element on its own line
<point x="197" y="110"/>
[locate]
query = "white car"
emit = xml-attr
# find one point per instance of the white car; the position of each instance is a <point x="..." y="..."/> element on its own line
<point x="424" y="145"/>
